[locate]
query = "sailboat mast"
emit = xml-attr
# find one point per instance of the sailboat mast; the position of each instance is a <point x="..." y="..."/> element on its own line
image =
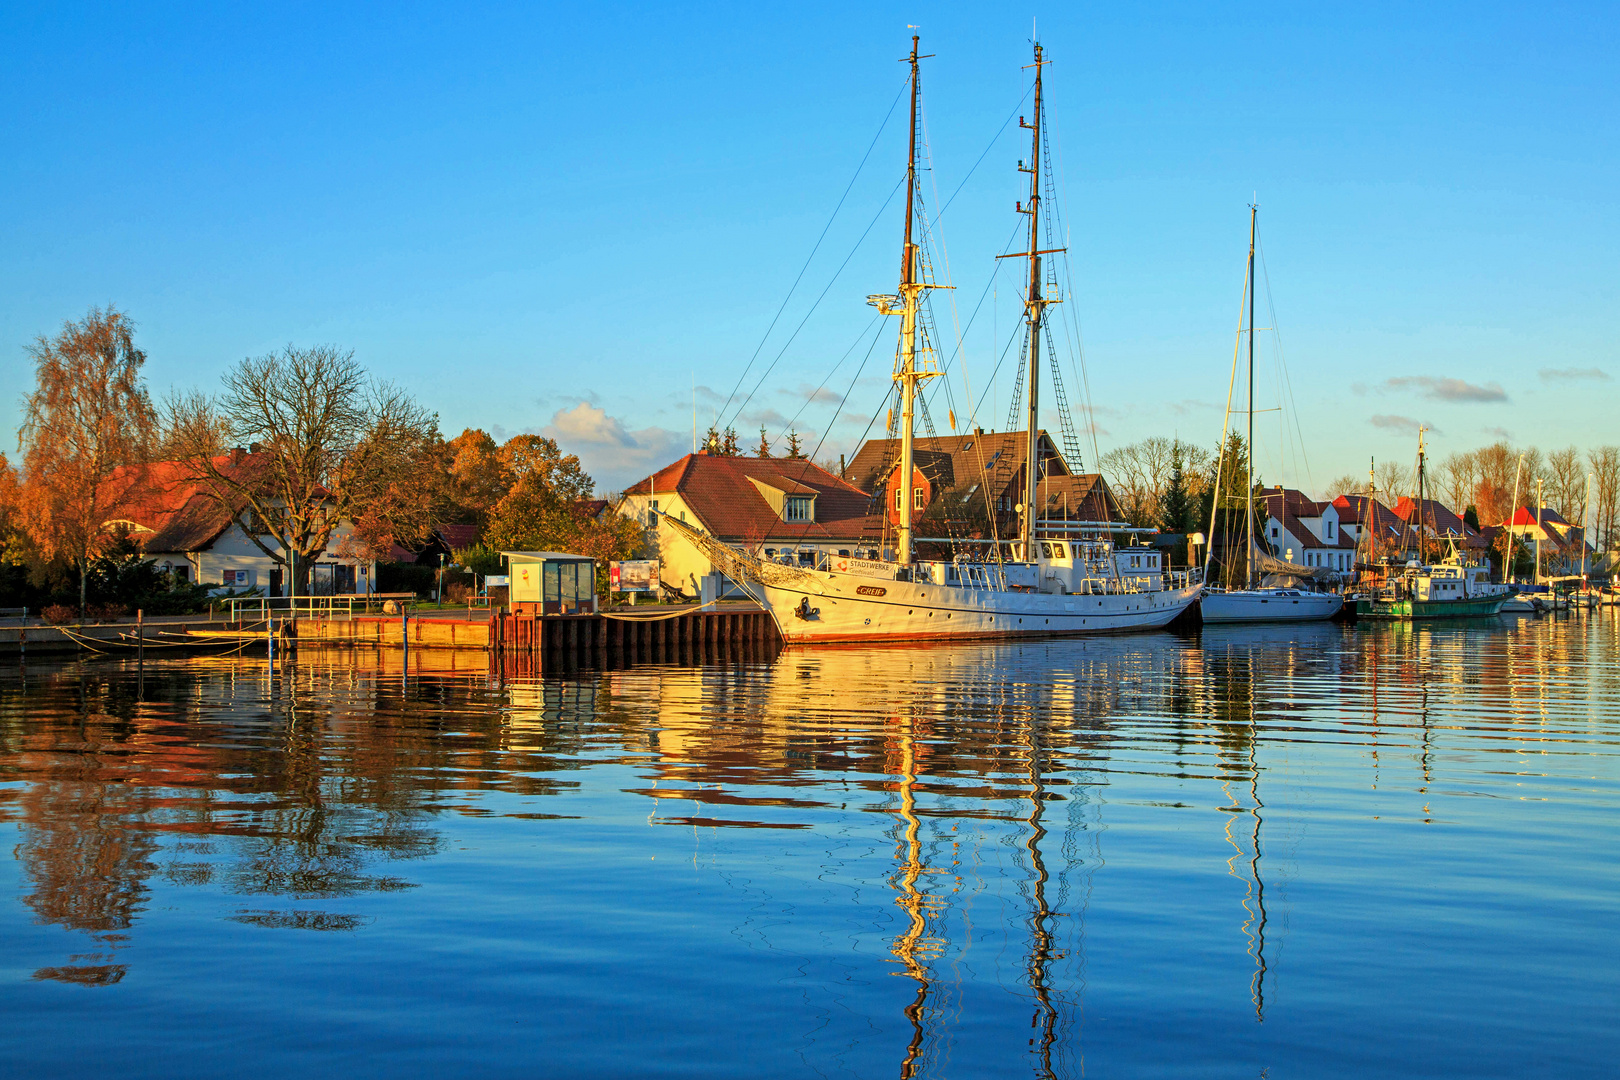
<point x="1248" y="565"/>
<point x="1035" y="306"/>
<point x="1422" y="492"/>
<point x="910" y="290"/>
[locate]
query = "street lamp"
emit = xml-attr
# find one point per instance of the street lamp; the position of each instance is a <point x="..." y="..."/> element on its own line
<point x="439" y="596"/>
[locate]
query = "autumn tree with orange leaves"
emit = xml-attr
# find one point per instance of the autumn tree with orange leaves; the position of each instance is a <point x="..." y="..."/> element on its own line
<point x="89" y="414"/>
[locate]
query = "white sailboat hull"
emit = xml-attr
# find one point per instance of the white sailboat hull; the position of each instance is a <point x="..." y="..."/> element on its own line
<point x="913" y="611"/>
<point x="1268" y="605"/>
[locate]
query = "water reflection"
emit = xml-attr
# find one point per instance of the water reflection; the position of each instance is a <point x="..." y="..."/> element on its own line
<point x="912" y="840"/>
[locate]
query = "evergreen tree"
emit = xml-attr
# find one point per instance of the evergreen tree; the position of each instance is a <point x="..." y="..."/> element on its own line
<point x="795" y="448"/>
<point x="1471" y="517"/>
<point x="1175" y="505"/>
<point x="764" y="444"/>
<point x="711" y="440"/>
<point x="729" y="447"/>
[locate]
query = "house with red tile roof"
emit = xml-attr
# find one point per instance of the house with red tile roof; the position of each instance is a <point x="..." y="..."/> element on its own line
<point x="1306" y="532"/>
<point x="781" y="508"/>
<point x="1361" y="515"/>
<point x="1563" y="545"/>
<point x="1435" y="521"/>
<point x="984" y="470"/>
<point x="178" y="524"/>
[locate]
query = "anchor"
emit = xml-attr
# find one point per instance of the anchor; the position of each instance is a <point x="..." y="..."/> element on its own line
<point x="805" y="611"/>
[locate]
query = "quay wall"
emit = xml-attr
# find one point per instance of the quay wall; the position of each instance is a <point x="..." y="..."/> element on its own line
<point x="575" y="639"/>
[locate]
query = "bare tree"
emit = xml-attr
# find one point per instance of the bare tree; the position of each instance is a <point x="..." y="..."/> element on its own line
<point x="89" y="415"/>
<point x="1139" y="474"/>
<point x="1605" y="463"/>
<point x="1394" y="481"/>
<point x="1344" y="485"/>
<point x="1459" y="476"/>
<point x="1566" y="484"/>
<point x="332" y="445"/>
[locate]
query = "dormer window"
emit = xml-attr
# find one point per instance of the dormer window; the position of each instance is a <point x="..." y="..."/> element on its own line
<point x="798" y="508"/>
<point x="1329" y="530"/>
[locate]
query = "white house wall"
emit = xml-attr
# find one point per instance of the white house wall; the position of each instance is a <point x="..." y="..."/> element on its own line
<point x="234" y="550"/>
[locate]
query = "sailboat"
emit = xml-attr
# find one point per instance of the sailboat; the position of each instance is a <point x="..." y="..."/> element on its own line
<point x="1454" y="588"/>
<point x="1252" y="603"/>
<point x="1059" y="577"/>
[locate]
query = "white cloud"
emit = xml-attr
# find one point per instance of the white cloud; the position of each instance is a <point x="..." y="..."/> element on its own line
<point x="614" y="455"/>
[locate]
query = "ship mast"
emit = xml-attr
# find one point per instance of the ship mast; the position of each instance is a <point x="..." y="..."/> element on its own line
<point x="907" y="375"/>
<point x="1248" y="564"/>
<point x="1035" y="307"/>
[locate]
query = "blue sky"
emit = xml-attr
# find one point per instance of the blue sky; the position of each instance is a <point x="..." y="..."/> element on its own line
<point x="563" y="218"/>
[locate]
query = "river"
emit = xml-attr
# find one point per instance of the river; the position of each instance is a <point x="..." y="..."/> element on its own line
<point x="1252" y="852"/>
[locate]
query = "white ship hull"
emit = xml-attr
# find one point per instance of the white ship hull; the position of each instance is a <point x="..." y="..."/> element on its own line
<point x="1268" y="605"/>
<point x="913" y="611"/>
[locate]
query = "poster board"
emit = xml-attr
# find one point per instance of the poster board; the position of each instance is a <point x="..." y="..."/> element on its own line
<point x="637" y="575"/>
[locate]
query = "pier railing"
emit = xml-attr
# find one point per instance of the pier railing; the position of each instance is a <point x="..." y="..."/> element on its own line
<point x="313" y="607"/>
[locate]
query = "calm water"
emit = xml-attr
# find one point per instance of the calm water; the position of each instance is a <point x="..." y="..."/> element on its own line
<point x="1258" y="852"/>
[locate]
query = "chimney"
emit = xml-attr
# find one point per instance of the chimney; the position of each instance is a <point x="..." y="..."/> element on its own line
<point x="236" y="455"/>
<point x="978" y="431"/>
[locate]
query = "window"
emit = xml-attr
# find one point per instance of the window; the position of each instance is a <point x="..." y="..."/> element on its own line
<point x="919" y="498"/>
<point x="843" y="553"/>
<point x="898" y="495"/>
<point x="770" y="553"/>
<point x="683" y="515"/>
<point x="797" y="508"/>
<point x="1057" y="550"/>
<point x="1329" y="530"/>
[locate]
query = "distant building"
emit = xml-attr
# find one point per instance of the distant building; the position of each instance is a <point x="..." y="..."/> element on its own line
<point x="982" y="473"/>
<point x="1435" y="521"/>
<point x="182" y="528"/>
<point x="1563" y="546"/>
<point x="1306" y="532"/>
<point x="780" y="508"/>
<point x="1361" y="515"/>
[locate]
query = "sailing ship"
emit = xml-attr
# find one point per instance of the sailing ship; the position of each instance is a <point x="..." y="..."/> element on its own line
<point x="1255" y="602"/>
<point x="1454" y="588"/>
<point x="1055" y="578"/>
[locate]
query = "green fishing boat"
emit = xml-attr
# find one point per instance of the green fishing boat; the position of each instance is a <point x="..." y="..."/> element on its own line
<point x="1453" y="589"/>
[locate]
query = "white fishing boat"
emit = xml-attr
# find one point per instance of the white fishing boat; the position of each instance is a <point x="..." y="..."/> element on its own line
<point x="1283" y="599"/>
<point x="1054" y="578"/>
